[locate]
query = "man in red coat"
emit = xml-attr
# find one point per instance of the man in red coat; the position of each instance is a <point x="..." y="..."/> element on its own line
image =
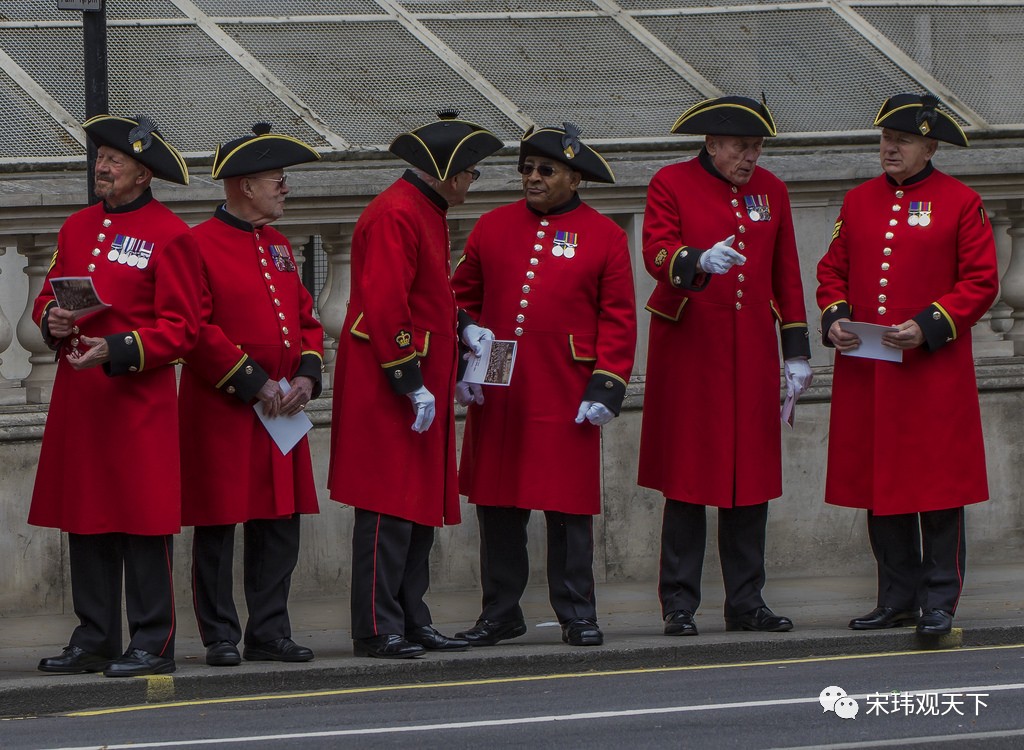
<point x="109" y="472"/>
<point x="257" y="332"/>
<point x="912" y="250"/>
<point x="554" y="275"/>
<point x="393" y="429"/>
<point x="711" y="430"/>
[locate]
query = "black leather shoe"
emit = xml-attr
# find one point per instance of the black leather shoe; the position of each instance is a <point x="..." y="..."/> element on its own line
<point x="761" y="619"/>
<point x="488" y="632"/>
<point x="582" y="633"/>
<point x="73" y="660"/>
<point x="935" y="622"/>
<point x="282" y="649"/>
<point x="884" y="617"/>
<point x="428" y="637"/>
<point x="680" y="622"/>
<point x="138" y="663"/>
<point x="391" y="646"/>
<point x="223" y="654"/>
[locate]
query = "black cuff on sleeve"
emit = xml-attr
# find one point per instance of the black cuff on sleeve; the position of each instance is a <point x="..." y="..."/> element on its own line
<point x="935" y="327"/>
<point x="685" y="270"/>
<point x="246" y="381"/>
<point x="406" y="377"/>
<point x="796" y="342"/>
<point x="125" y="354"/>
<point x="465" y="319"/>
<point x="311" y="366"/>
<point x="606" y="390"/>
<point x="830" y="315"/>
<point x="44" y="328"/>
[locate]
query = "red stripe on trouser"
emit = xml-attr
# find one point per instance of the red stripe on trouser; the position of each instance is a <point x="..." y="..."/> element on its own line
<point x="174" y="614"/>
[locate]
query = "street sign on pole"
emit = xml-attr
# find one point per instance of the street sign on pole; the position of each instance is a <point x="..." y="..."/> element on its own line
<point x="83" y="5"/>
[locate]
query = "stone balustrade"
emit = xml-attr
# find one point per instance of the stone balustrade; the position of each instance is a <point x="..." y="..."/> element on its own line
<point x="324" y="203"/>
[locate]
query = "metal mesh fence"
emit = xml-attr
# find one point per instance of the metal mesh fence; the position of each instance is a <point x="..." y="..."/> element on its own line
<point x="27" y="128"/>
<point x="824" y="65"/>
<point x="497" y="6"/>
<point x="816" y="72"/>
<point x="368" y="81"/>
<point x="46" y="10"/>
<point x="976" y="51"/>
<point x="589" y="70"/>
<point x="288" y="7"/>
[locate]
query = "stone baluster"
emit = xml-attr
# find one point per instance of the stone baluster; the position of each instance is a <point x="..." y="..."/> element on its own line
<point x="298" y="238"/>
<point x="332" y="302"/>
<point x="1013" y="279"/>
<point x="988" y="342"/>
<point x="1000" y="313"/>
<point x="37" y="249"/>
<point x="6" y="337"/>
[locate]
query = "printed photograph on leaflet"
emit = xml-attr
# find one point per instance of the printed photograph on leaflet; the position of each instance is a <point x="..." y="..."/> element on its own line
<point x="494" y="365"/>
<point x="78" y="294"/>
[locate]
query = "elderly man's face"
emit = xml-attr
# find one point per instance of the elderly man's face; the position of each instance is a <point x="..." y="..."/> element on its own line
<point x="903" y="155"/>
<point x="734" y="157"/>
<point x="545" y="192"/>
<point x="119" y="178"/>
<point x="266" y="192"/>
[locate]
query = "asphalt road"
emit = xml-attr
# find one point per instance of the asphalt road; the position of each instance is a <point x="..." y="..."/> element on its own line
<point x="963" y="698"/>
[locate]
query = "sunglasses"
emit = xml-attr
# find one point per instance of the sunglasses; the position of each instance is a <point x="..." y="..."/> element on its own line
<point x="544" y="170"/>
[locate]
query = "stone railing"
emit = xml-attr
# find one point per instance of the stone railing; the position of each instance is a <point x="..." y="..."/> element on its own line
<point x="325" y="202"/>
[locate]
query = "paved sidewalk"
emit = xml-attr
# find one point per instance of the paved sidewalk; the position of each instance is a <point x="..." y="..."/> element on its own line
<point x="991" y="612"/>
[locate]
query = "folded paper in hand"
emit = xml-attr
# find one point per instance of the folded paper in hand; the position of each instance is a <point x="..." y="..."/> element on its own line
<point x="494" y="365"/>
<point x="77" y="294"/>
<point x="285" y="431"/>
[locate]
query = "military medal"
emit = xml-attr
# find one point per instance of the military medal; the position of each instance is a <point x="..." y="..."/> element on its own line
<point x="282" y="260"/>
<point x="130" y="251"/>
<point x="757" y="207"/>
<point x="565" y="244"/>
<point x="920" y="213"/>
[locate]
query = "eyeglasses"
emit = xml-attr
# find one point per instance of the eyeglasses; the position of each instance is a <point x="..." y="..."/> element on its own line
<point x="473" y="173"/>
<point x="282" y="182"/>
<point x="544" y="170"/>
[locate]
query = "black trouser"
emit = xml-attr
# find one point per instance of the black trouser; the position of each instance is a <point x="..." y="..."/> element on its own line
<point x="920" y="558"/>
<point x="99" y="563"/>
<point x="390" y="574"/>
<point x="270" y="555"/>
<point x="741" y="539"/>
<point x="505" y="565"/>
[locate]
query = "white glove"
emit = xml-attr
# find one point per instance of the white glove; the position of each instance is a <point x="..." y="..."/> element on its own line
<point x="473" y="334"/>
<point x="595" y="412"/>
<point x="423" y="405"/>
<point x="468" y="393"/>
<point x="721" y="257"/>
<point x="798" y="375"/>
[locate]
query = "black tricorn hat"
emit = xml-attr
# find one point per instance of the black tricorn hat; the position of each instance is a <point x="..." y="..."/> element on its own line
<point x="920" y="114"/>
<point x="260" y="152"/>
<point x="447" y="146"/>
<point x="563" y="144"/>
<point x="727" y="115"/>
<point x="141" y="140"/>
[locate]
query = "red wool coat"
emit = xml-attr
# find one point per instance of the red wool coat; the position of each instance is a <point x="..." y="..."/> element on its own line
<point x="574" y="319"/>
<point x="257" y="322"/>
<point x="399" y="333"/>
<point x="711" y="431"/>
<point x="109" y="459"/>
<point x="907" y="437"/>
